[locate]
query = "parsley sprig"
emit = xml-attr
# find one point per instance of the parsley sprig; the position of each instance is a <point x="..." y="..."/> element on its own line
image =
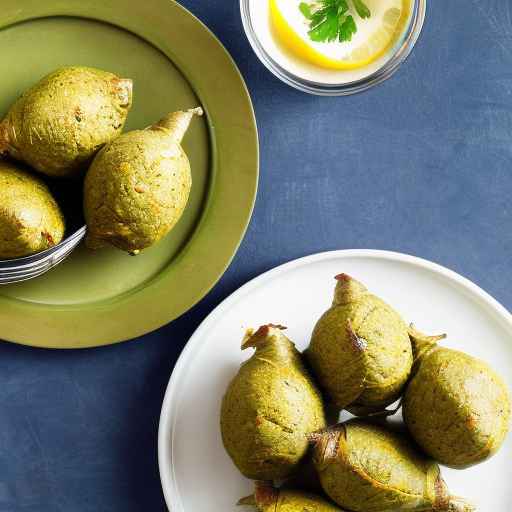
<point x="330" y="20"/>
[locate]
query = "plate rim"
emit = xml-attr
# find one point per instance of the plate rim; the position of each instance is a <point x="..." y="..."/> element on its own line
<point x="167" y="416"/>
<point x="52" y="323"/>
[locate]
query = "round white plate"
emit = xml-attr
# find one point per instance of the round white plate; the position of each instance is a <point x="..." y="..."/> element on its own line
<point x="196" y="473"/>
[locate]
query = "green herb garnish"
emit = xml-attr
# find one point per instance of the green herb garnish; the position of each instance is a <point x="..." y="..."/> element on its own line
<point x="330" y="20"/>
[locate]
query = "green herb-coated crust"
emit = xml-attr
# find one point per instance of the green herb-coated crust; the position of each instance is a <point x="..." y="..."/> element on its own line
<point x="59" y="124"/>
<point x="269" y="409"/>
<point x="368" y="468"/>
<point x="30" y="219"/>
<point x="138" y="186"/>
<point x="456" y="408"/>
<point x="360" y="350"/>
<point x="268" y="499"/>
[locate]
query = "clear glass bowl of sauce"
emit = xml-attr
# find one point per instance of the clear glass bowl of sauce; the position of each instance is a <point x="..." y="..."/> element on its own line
<point x="308" y="76"/>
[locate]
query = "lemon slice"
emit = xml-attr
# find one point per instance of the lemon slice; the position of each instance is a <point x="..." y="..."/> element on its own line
<point x="375" y="36"/>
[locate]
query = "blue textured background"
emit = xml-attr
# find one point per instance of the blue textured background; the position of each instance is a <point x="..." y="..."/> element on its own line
<point x="421" y="164"/>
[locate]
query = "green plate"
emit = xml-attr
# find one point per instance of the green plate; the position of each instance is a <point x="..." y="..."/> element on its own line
<point x="97" y="298"/>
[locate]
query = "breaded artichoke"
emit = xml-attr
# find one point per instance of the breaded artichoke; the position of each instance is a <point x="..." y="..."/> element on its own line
<point x="30" y="219"/>
<point x="138" y="186"/>
<point x="59" y="124"/>
<point x="269" y="408"/>
<point x="368" y="468"/>
<point x="360" y="350"/>
<point x="456" y="407"/>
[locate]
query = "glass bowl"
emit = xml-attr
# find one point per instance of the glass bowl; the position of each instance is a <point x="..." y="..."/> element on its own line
<point x="391" y="65"/>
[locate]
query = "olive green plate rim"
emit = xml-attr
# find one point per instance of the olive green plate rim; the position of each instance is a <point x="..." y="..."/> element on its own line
<point x="228" y="207"/>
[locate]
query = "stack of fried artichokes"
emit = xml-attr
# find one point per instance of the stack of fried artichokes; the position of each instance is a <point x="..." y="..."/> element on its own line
<point x="70" y="123"/>
<point x="362" y="358"/>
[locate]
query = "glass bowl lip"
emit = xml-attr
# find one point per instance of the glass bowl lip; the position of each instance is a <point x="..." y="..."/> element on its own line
<point x="321" y="89"/>
<point x="28" y="262"/>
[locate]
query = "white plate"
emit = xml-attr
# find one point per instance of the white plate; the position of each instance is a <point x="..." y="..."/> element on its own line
<point x="196" y="473"/>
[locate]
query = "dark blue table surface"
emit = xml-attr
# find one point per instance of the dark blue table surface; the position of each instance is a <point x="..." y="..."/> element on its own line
<point x="421" y="164"/>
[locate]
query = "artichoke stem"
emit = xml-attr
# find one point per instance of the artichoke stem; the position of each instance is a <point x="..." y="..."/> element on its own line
<point x="460" y="505"/>
<point x="265" y="495"/>
<point x="264" y="333"/>
<point x="249" y="501"/>
<point x="374" y="412"/>
<point x="347" y="290"/>
<point x="421" y="343"/>
<point x="177" y="123"/>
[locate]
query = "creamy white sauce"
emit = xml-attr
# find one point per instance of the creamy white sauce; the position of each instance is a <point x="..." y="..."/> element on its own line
<point x="261" y="22"/>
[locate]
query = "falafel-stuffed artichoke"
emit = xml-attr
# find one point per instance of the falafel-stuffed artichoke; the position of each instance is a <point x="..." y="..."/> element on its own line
<point x="269" y="408"/>
<point x="368" y="468"/>
<point x="59" y="124"/>
<point x="455" y="406"/>
<point x="138" y="186"/>
<point x="30" y="219"/>
<point x="360" y="350"/>
<point x="266" y="498"/>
